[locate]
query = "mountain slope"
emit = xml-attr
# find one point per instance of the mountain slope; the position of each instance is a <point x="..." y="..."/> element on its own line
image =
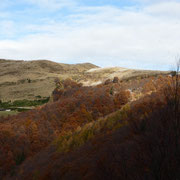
<point x="28" y="79"/>
<point x="98" y="75"/>
<point x="77" y="135"/>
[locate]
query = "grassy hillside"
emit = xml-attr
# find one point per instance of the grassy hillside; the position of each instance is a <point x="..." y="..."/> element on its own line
<point x="7" y="113"/>
<point x="27" y="79"/>
<point x="98" y="75"/>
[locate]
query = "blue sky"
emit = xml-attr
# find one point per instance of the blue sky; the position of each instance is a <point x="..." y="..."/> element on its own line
<point x="128" y="33"/>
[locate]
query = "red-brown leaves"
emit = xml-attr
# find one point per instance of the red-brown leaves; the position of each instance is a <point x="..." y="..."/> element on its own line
<point x="73" y="106"/>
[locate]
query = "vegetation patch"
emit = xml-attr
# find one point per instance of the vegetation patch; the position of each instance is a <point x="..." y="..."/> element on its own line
<point x="23" y="103"/>
<point x="8" y="113"/>
<point x="71" y="140"/>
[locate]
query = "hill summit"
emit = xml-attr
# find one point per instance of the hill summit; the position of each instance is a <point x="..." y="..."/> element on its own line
<point x="28" y="79"/>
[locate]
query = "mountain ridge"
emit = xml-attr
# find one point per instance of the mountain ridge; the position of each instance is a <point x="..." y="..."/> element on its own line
<point x="26" y="79"/>
<point x="21" y="79"/>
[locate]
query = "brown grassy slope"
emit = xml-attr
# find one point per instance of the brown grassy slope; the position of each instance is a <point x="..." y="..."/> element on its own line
<point x="97" y="75"/>
<point x="15" y="75"/>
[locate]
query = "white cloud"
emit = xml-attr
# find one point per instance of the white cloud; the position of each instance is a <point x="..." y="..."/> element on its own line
<point x="167" y="9"/>
<point x="105" y="36"/>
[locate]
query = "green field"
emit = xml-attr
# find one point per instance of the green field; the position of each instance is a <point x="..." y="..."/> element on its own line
<point x="24" y="103"/>
<point x="6" y="113"/>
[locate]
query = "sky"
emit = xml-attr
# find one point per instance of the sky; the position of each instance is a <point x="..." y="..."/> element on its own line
<point x="141" y="34"/>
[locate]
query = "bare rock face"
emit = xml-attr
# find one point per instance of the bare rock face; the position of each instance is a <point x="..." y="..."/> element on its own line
<point x="108" y="81"/>
<point x="115" y="80"/>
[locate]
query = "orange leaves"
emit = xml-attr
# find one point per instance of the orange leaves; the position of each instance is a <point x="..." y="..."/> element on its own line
<point x="73" y="106"/>
<point x="28" y="123"/>
<point x="121" y="98"/>
<point x="149" y="86"/>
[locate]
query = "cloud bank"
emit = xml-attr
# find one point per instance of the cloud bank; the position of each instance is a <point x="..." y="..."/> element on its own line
<point x="145" y="35"/>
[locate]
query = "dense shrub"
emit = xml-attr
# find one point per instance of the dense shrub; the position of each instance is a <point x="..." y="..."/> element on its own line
<point x="141" y="142"/>
<point x="25" y="134"/>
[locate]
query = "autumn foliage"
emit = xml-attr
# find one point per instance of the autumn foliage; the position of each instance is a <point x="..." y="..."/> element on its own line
<point x="97" y="133"/>
<point x="25" y="134"/>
